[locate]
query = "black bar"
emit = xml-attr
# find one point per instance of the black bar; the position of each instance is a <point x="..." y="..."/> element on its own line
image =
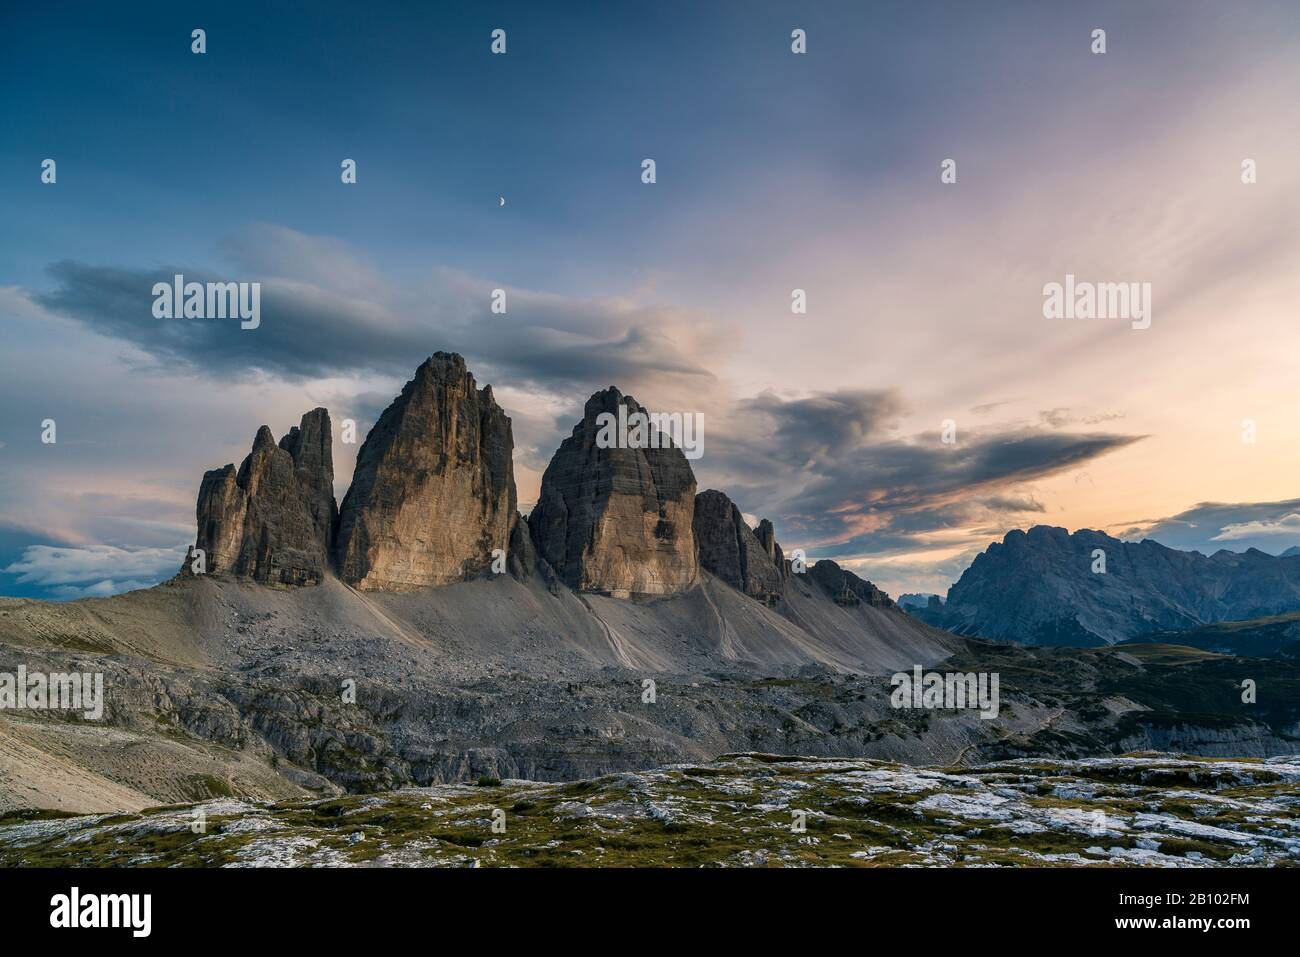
<point x="330" y="907"/>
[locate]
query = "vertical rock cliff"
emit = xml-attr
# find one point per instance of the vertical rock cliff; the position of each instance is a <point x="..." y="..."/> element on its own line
<point x="272" y="520"/>
<point x="767" y="538"/>
<point x="616" y="520"/>
<point x="434" y="491"/>
<point x="311" y="447"/>
<point x="730" y="549"/>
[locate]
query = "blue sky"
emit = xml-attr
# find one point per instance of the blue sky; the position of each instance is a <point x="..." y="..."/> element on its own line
<point x="775" y="171"/>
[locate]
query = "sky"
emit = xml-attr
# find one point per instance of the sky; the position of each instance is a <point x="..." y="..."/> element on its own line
<point x="775" y="171"/>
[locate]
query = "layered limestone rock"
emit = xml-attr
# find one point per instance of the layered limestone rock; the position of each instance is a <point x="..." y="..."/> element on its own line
<point x="273" y="519"/>
<point x="846" y="588"/>
<point x="433" y="493"/>
<point x="767" y="538"/>
<point x="523" y="557"/>
<point x="617" y="520"/>
<point x="731" y="550"/>
<point x="310" y="446"/>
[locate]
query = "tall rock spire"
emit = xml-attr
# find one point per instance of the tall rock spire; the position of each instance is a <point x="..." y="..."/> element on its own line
<point x="616" y="520"/>
<point x="272" y="520"/>
<point x="730" y="549"/>
<point x="310" y="445"/>
<point x="767" y="538"/>
<point x="433" y="493"/>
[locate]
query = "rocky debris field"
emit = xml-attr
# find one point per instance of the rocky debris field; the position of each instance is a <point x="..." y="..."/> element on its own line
<point x="748" y="810"/>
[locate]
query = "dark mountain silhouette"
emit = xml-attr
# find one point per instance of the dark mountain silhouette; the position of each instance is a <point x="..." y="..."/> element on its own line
<point x="1049" y="587"/>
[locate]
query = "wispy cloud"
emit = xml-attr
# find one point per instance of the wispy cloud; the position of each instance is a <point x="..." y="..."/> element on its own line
<point x="326" y="312"/>
<point x="1288" y="526"/>
<point x="73" y="571"/>
<point x="1209" y="526"/>
<point x="836" y="474"/>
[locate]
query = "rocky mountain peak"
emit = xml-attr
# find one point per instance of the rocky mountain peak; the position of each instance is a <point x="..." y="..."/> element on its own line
<point x="1048" y="586"/>
<point x="433" y="497"/>
<point x="263" y="440"/>
<point x="310" y="445"/>
<point x="846" y="588"/>
<point x="273" y="519"/>
<point x="617" y="520"/>
<point x="433" y="493"/>
<point x="732" y="551"/>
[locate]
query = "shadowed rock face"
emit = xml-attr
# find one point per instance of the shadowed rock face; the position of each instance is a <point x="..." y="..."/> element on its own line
<point x="846" y="588"/>
<point x="272" y="521"/>
<point x="767" y="538"/>
<point x="1045" y="587"/>
<point x="732" y="551"/>
<point x="434" y="491"/>
<point x="310" y="445"/>
<point x="616" y="520"/>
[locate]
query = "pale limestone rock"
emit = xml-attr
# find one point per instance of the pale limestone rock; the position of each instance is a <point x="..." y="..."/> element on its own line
<point x="434" y="491"/>
<point x="616" y="520"/>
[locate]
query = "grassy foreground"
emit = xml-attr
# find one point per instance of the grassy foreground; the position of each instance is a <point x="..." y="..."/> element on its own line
<point x="742" y="810"/>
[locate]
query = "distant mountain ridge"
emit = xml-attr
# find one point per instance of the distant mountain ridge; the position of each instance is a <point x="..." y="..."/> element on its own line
<point x="1040" y="588"/>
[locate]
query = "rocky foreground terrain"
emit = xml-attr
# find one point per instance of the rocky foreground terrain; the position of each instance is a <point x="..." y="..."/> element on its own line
<point x="741" y="811"/>
<point x="230" y="689"/>
<point x="224" y="687"/>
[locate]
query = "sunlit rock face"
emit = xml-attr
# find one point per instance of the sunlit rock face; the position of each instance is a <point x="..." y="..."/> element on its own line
<point x="616" y="520"/>
<point x="272" y="520"/>
<point x="433" y="493"/>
